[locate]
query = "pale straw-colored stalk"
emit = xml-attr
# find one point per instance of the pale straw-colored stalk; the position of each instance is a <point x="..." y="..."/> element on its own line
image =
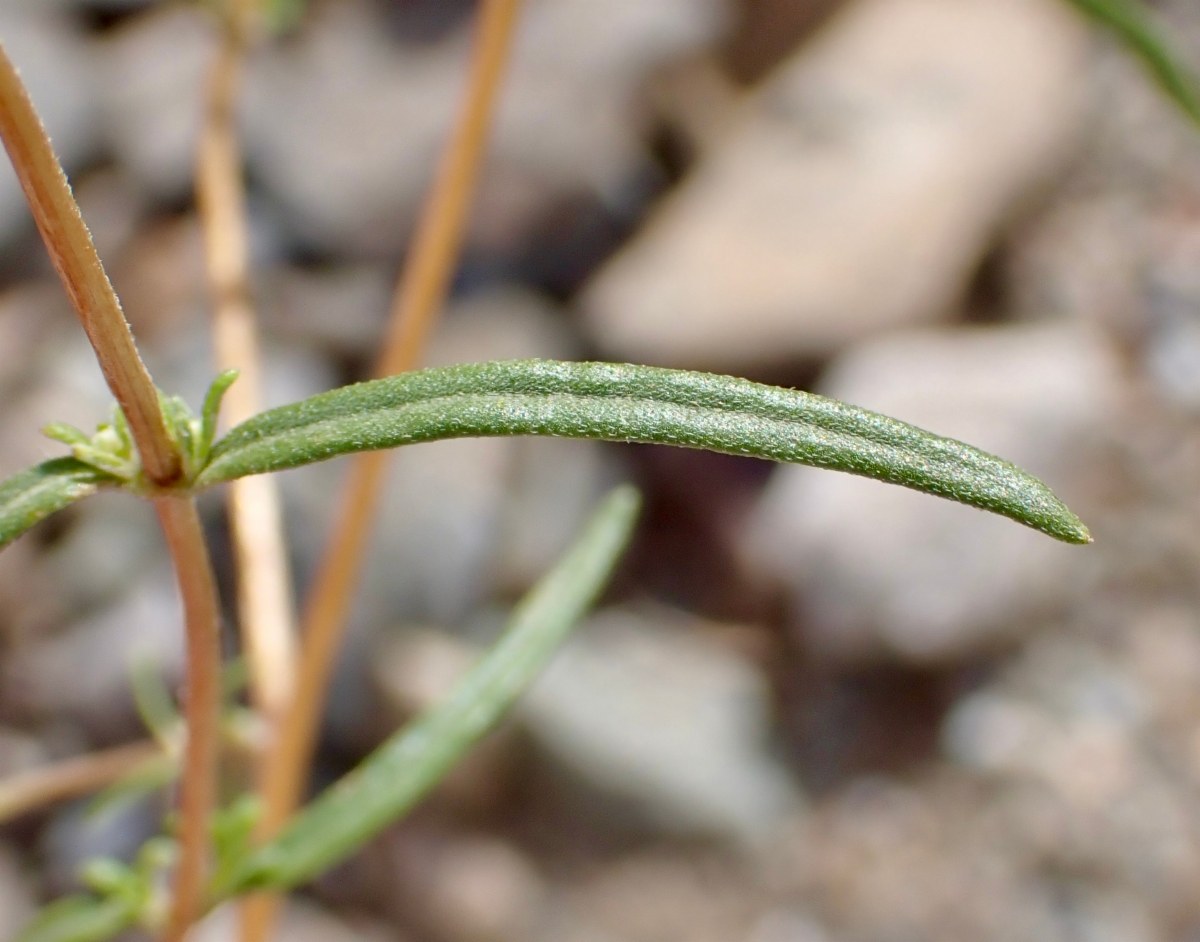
<point x="423" y="285"/>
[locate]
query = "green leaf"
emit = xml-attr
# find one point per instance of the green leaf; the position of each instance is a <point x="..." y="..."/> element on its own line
<point x="211" y="410"/>
<point x="80" y="919"/>
<point x="1136" y="25"/>
<point x="33" y="495"/>
<point x="398" y="774"/>
<point x="67" y="434"/>
<point x="639" y="404"/>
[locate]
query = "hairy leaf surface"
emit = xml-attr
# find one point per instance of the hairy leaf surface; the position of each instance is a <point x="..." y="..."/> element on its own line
<point x="33" y="495"/>
<point x="635" y="404"/>
<point x="393" y="779"/>
<point x="1135" y="24"/>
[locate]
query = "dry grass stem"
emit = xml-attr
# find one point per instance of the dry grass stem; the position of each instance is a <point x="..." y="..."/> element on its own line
<point x="202" y="705"/>
<point x="423" y="286"/>
<point x="265" y="609"/>
<point x="72" y="778"/>
<point x="70" y="246"/>
<point x="429" y="267"/>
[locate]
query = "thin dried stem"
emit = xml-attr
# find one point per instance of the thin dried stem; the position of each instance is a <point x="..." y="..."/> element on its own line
<point x="74" y="256"/>
<point x="264" y="580"/>
<point x="27" y="791"/>
<point x="425" y="280"/>
<point x="422" y="289"/>
<point x="202" y="704"/>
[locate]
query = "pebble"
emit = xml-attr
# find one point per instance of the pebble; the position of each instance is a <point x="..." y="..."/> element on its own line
<point x="880" y="571"/>
<point x="373" y="115"/>
<point x="463" y="888"/>
<point x="112" y="539"/>
<point x="1070" y="736"/>
<point x="646" y="710"/>
<point x="858" y="193"/>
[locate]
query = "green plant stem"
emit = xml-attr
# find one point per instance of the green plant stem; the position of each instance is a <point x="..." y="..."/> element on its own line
<point x="202" y="705"/>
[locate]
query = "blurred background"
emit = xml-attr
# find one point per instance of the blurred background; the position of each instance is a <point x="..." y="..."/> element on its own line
<point x="811" y="708"/>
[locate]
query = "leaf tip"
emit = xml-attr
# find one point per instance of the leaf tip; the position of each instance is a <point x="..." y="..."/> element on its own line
<point x="1072" y="530"/>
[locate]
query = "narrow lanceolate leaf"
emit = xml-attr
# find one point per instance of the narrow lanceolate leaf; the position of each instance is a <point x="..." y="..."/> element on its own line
<point x="33" y="495"/>
<point x="637" y="404"/>
<point x="80" y="919"/>
<point x="1136" y="25"/>
<point x="405" y="768"/>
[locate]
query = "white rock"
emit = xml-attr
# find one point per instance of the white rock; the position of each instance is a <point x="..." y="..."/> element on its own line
<point x="860" y="189"/>
<point x="1070" y="736"/>
<point x="648" y="711"/>
<point x="876" y="568"/>
<point x="28" y="314"/>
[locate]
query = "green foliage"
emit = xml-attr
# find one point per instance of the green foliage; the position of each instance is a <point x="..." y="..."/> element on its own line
<point x="80" y="919"/>
<point x="389" y="783"/>
<point x="124" y="897"/>
<point x="398" y="774"/>
<point x="1136" y="26"/>
<point x="618" y="402"/>
<point x="574" y="400"/>
<point x="111" y="450"/>
<point x="35" y="494"/>
<point x="613" y="402"/>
